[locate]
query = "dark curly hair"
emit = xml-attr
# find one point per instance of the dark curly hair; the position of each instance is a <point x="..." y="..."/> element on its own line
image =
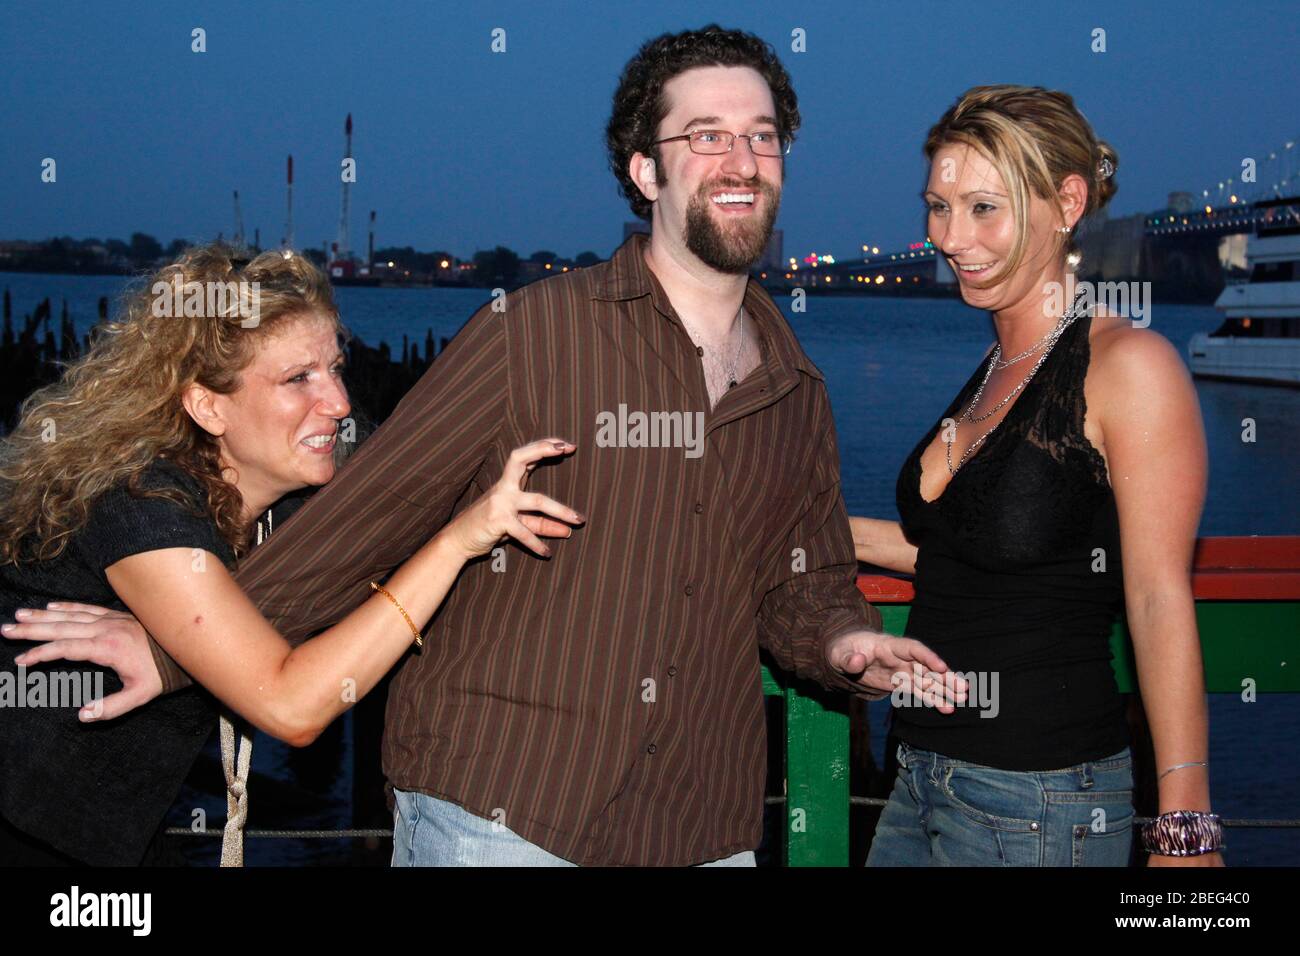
<point x="640" y="104"/>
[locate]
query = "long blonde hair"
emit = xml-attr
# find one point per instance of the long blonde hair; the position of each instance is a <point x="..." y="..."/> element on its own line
<point x="1034" y="137"/>
<point x="118" y="408"/>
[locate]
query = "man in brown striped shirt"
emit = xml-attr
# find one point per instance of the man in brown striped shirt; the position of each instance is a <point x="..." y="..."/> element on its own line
<point x="604" y="705"/>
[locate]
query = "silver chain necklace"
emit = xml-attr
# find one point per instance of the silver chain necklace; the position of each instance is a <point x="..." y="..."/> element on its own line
<point x="1066" y="320"/>
<point x="728" y="367"/>
<point x="1033" y="348"/>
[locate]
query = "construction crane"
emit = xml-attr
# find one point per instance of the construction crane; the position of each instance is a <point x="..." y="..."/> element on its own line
<point x="287" y="241"/>
<point x="344" y="252"/>
<point x="370" y="247"/>
<point x="239" y="223"/>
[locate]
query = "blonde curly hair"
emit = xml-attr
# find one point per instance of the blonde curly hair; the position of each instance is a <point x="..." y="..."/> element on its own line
<point x="118" y="408"/>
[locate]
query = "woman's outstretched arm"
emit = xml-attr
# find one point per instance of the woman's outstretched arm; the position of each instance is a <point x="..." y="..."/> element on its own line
<point x="880" y="542"/>
<point x="200" y="616"/>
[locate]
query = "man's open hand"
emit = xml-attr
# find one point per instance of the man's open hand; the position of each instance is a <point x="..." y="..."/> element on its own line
<point x="882" y="663"/>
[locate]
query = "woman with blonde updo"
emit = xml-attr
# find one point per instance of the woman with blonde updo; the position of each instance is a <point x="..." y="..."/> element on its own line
<point x="130" y="490"/>
<point x="1064" y="480"/>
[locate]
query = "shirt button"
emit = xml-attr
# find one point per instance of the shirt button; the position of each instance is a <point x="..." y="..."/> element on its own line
<point x="699" y="350"/>
<point x="689" y="590"/>
<point x="651" y="749"/>
<point x="672" y="672"/>
<point x="1034" y="827"/>
<point x="699" y="508"/>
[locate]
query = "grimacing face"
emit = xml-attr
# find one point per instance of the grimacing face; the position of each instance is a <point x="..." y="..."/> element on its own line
<point x="279" y="428"/>
<point x="971" y="223"/>
<point x="721" y="207"/>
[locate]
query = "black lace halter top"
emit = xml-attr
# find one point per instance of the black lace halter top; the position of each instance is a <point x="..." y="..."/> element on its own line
<point x="1018" y="580"/>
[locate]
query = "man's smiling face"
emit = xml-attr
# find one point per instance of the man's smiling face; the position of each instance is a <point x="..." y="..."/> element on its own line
<point x="721" y="207"/>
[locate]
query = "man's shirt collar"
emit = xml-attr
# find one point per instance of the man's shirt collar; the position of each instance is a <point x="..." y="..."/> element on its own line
<point x="627" y="276"/>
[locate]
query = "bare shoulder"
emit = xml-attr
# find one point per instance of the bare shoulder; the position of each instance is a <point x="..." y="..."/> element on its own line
<point x="1138" y="385"/>
<point x="1127" y="360"/>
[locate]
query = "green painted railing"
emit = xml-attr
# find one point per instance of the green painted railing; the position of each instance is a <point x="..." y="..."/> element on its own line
<point x="1247" y="612"/>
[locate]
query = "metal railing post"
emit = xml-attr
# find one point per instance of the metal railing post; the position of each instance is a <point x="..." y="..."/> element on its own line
<point x="817" y="780"/>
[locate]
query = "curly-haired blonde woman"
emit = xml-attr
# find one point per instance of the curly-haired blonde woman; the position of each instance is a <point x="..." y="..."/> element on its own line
<point x="136" y="483"/>
<point x="1065" y="478"/>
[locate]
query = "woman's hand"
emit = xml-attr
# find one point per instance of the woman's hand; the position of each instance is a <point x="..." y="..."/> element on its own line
<point x="502" y="512"/>
<point x="85" y="632"/>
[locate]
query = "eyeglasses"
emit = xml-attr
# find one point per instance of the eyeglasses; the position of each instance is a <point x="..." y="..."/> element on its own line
<point x="713" y="142"/>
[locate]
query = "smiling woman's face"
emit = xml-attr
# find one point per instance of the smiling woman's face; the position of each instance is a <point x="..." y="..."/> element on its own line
<point x="281" y="425"/>
<point x="970" y="221"/>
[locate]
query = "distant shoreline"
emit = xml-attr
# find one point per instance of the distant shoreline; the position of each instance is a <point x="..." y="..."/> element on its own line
<point x="929" y="292"/>
<point x="1164" y="293"/>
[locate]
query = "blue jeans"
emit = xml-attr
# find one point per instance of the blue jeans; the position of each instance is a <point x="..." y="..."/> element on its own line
<point x="432" y="832"/>
<point x="946" y="812"/>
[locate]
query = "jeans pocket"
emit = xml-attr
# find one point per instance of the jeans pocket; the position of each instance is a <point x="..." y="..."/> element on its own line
<point x="1110" y="848"/>
<point x="907" y="780"/>
<point x="397" y="833"/>
<point x="1098" y="821"/>
<point x="406" y="819"/>
<point x="990" y="818"/>
<point x="1000" y="799"/>
<point x="1106" y="840"/>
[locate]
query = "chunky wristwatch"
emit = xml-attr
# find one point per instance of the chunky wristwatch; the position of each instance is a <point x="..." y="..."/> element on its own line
<point x="1183" y="833"/>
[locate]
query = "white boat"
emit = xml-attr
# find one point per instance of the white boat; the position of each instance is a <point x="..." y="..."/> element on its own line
<point x="1259" y="340"/>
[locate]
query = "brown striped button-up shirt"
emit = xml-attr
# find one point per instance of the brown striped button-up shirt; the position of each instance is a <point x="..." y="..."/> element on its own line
<point x="605" y="704"/>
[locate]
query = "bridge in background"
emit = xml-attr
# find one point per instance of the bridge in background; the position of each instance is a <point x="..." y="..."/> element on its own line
<point x="1186" y="250"/>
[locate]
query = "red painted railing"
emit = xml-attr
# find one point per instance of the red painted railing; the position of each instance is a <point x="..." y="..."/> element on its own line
<point x="1223" y="569"/>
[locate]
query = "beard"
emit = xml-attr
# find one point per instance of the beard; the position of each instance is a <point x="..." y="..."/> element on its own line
<point x="735" y="247"/>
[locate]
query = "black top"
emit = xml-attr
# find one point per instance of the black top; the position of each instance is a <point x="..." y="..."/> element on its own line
<point x="99" y="791"/>
<point x="1018" y="577"/>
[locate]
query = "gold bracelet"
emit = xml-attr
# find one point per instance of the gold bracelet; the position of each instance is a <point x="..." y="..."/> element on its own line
<point x="419" y="641"/>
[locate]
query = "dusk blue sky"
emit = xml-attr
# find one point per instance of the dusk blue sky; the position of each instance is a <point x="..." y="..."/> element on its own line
<point x="459" y="148"/>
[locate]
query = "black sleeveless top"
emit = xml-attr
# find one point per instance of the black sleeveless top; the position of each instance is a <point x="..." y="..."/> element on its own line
<point x="1018" y="580"/>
